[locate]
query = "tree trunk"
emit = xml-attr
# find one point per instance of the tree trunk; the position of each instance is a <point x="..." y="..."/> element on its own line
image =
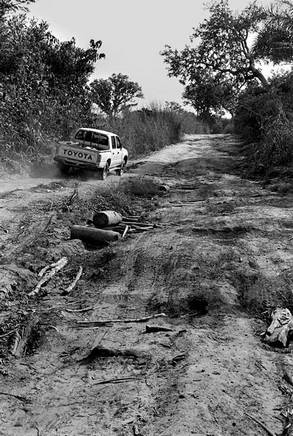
<point x="258" y="75"/>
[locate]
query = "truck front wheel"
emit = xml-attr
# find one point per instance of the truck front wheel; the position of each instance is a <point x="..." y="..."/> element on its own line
<point x="120" y="171"/>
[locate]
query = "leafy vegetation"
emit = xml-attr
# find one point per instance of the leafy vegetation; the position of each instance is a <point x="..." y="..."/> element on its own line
<point x="115" y="94"/>
<point x="222" y="72"/>
<point x="151" y="128"/>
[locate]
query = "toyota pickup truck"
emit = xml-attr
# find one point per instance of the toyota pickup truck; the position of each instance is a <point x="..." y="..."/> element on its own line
<point x="92" y="149"/>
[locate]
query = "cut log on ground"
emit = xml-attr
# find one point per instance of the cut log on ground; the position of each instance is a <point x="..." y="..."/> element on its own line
<point x="93" y="236"/>
<point x="106" y="218"/>
<point x="156" y="328"/>
<point x="100" y="351"/>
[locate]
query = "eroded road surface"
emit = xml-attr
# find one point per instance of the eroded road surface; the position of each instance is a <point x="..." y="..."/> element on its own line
<point x="219" y="260"/>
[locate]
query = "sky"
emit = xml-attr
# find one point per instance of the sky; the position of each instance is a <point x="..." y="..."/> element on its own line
<point x="133" y="34"/>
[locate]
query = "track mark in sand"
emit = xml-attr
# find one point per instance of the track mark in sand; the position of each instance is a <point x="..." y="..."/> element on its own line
<point x="212" y="269"/>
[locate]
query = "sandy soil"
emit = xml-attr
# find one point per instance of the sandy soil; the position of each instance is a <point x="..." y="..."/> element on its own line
<point x="219" y="262"/>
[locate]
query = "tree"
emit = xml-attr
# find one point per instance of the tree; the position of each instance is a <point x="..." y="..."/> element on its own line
<point x="221" y="58"/>
<point x="275" y="40"/>
<point x="43" y="82"/>
<point x="11" y="6"/>
<point x="114" y="94"/>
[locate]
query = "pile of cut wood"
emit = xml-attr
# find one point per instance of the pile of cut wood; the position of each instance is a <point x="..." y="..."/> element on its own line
<point x="109" y="226"/>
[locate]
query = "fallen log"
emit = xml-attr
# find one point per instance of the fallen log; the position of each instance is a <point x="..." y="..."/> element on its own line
<point x="54" y="268"/>
<point x="74" y="283"/>
<point x="102" y="351"/>
<point x="92" y="235"/>
<point x="106" y="218"/>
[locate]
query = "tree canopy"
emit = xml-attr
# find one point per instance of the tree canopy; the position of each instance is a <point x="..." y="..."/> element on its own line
<point x="43" y="81"/>
<point x="114" y="94"/>
<point x="221" y="59"/>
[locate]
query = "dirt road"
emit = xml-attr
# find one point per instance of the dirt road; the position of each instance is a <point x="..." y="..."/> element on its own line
<point x="219" y="260"/>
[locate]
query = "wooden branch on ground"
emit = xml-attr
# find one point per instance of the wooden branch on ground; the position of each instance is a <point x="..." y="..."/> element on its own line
<point x="73" y="196"/>
<point x="269" y="432"/>
<point x="74" y="283"/>
<point x="21" y="339"/>
<point x="86" y="309"/>
<point x="55" y="267"/>
<point x="113" y="321"/>
<point x="18" y="397"/>
<point x="125" y="231"/>
<point x="115" y="380"/>
<point x="8" y="333"/>
<point x="48" y="222"/>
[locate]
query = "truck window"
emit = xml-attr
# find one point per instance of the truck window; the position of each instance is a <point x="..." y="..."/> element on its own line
<point x="119" y="145"/>
<point x="113" y="142"/>
<point x="97" y="140"/>
<point x="80" y="135"/>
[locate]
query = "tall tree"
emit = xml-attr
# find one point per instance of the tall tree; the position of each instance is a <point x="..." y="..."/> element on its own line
<point x="116" y="93"/>
<point x="220" y="56"/>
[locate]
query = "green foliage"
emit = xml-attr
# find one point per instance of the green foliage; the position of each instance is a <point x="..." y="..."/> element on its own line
<point x="43" y="84"/>
<point x="220" y="62"/>
<point x="11" y="6"/>
<point x="264" y="118"/>
<point x="152" y="128"/>
<point x="115" y="94"/>
<point x="275" y="39"/>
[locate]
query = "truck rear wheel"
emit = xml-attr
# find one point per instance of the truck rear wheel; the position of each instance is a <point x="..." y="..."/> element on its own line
<point x="103" y="173"/>
<point x="64" y="169"/>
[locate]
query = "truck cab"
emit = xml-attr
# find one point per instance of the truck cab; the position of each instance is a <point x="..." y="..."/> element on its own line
<point x="93" y="149"/>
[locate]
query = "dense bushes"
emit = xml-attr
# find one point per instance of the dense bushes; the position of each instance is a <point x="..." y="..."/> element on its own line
<point x="151" y="128"/>
<point x="264" y="118"/>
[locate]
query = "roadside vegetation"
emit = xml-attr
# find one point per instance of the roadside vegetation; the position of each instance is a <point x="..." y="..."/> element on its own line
<point x="222" y="72"/>
<point x="46" y="93"/>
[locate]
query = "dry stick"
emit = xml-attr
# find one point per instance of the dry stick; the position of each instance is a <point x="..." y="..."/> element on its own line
<point x="86" y="309"/>
<point x="74" y="283"/>
<point x="16" y="343"/>
<point x="73" y="196"/>
<point x="115" y="380"/>
<point x="132" y="217"/>
<point x="48" y="222"/>
<point x="261" y="424"/>
<point x="137" y="224"/>
<point x="125" y="231"/>
<point x="8" y="333"/>
<point x="127" y="320"/>
<point x="18" y="397"/>
<point x="57" y="267"/>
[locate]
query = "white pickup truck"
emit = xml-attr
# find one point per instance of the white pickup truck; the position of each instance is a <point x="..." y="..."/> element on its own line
<point x="93" y="149"/>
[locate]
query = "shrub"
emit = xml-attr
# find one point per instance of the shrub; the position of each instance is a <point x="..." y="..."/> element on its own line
<point x="264" y="119"/>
